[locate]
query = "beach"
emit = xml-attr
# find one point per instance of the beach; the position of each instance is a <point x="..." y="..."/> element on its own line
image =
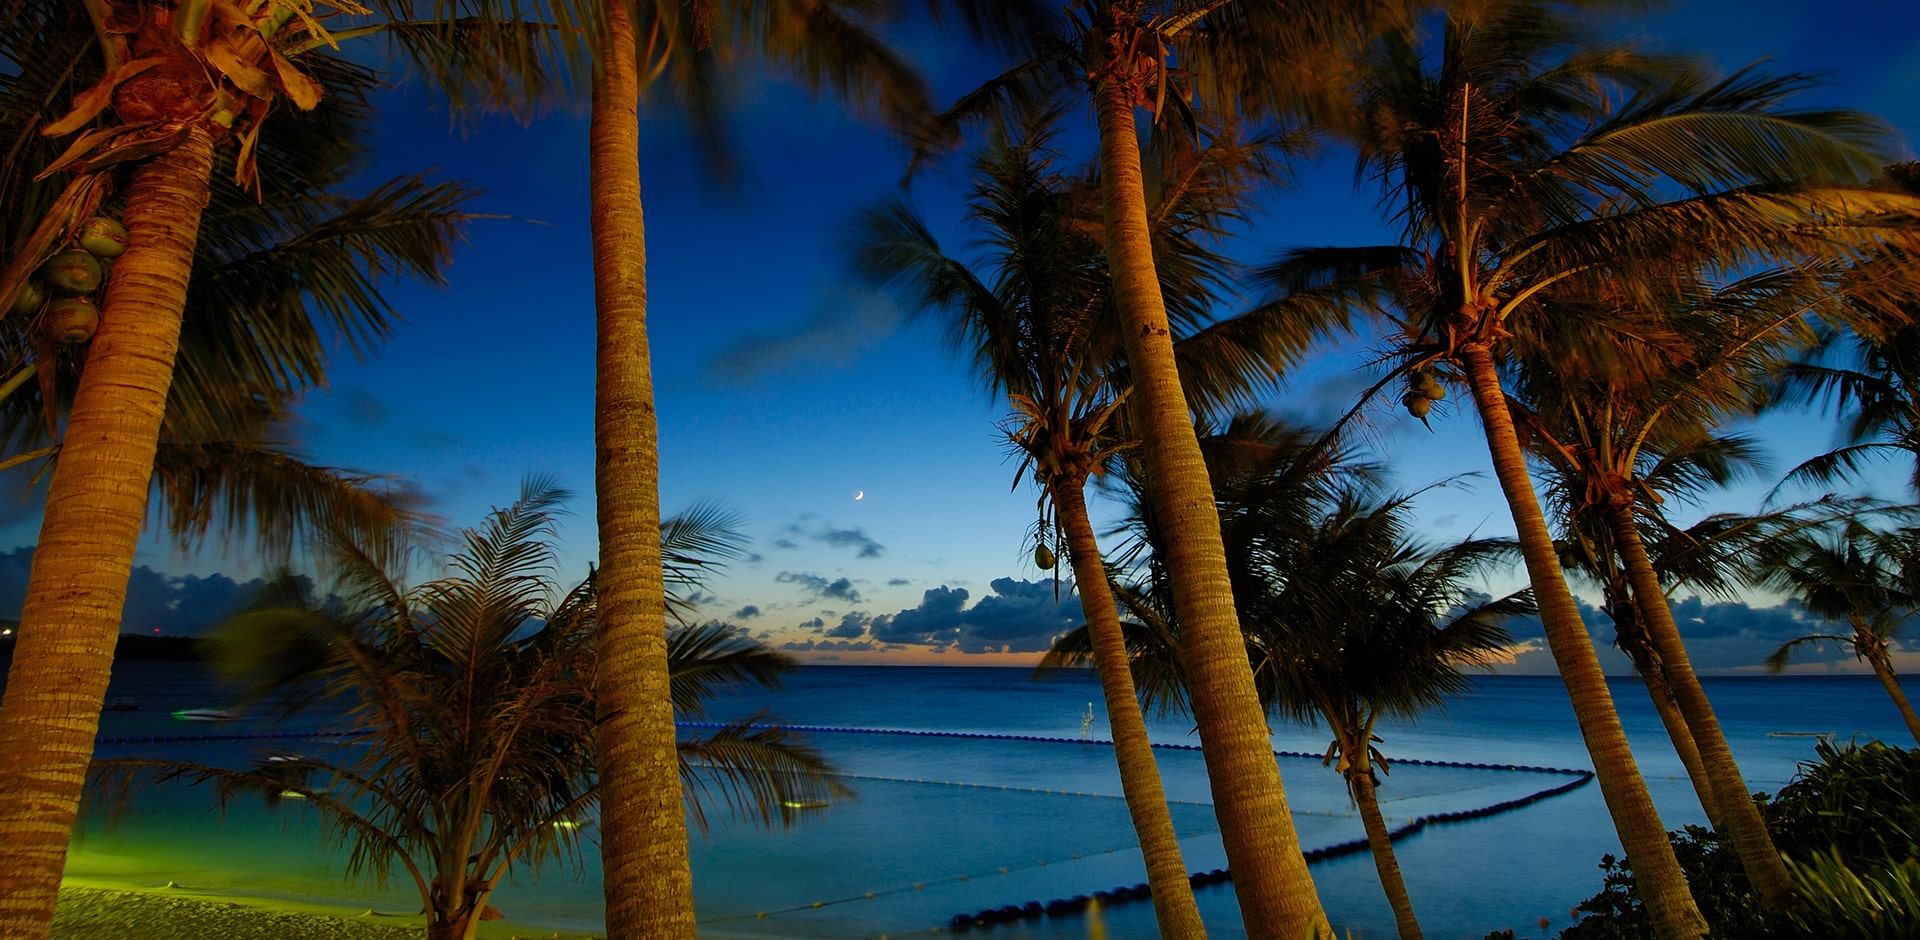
<point x="87" y="913"/>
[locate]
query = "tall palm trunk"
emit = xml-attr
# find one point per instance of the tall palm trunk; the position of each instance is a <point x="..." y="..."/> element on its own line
<point x="1277" y="896"/>
<point x="1632" y="631"/>
<point x="1656" y="871"/>
<point x="1173" y="904"/>
<point x="1883" y="668"/>
<point x="1683" y="745"/>
<point x="1379" y="841"/>
<point x="95" y="506"/>
<point x="1751" y="842"/>
<point x="647" y="877"/>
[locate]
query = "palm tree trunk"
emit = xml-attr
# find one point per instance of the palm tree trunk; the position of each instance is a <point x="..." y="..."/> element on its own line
<point x="1173" y="904"/>
<point x="1277" y="896"/>
<point x="1683" y="745"/>
<point x="1380" y="842"/>
<point x="1631" y="630"/>
<point x="1891" y="682"/>
<point x="95" y="506"/>
<point x="1738" y="813"/>
<point x="1656" y="871"/>
<point x="648" y="879"/>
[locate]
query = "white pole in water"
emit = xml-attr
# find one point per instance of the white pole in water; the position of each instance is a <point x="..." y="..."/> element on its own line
<point x="1086" y="723"/>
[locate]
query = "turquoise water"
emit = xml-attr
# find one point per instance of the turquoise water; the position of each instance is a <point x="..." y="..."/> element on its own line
<point x="945" y="825"/>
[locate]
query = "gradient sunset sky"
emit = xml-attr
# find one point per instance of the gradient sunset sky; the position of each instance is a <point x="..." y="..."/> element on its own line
<point x="784" y="392"/>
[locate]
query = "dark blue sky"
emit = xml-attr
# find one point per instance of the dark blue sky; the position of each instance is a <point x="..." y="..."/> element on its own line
<point x="785" y="392"/>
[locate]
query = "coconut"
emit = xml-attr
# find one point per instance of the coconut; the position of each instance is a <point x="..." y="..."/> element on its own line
<point x="31" y="296"/>
<point x="72" y="273"/>
<point x="1043" y="557"/>
<point x="70" y="320"/>
<point x="1434" y="391"/>
<point x="1417" y="404"/>
<point x="102" y="237"/>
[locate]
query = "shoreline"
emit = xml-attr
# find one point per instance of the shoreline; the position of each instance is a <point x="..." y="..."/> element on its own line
<point x="91" y="908"/>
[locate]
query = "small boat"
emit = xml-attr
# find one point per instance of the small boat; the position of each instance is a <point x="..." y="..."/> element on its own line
<point x="204" y="714"/>
<point x="122" y="703"/>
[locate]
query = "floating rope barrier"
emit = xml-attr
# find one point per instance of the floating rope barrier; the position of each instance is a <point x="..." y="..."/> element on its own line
<point x="1073" y="906"/>
<point x="1043" y="739"/>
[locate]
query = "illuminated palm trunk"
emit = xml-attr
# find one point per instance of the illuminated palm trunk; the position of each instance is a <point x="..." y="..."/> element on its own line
<point x="95" y="506"/>
<point x="1633" y="640"/>
<point x="1173" y="904"/>
<point x="1738" y="815"/>
<point x="1277" y="896"/>
<point x="647" y="877"/>
<point x="1656" y="871"/>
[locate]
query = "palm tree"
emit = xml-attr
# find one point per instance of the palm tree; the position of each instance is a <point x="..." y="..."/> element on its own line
<point x="469" y="714"/>
<point x="1347" y="618"/>
<point x="82" y="57"/>
<point x="687" y="52"/>
<point x="1355" y="621"/>
<point x="1122" y="53"/>
<point x="1862" y="576"/>
<point x="1622" y="436"/>
<point x="1037" y="325"/>
<point x="1521" y="177"/>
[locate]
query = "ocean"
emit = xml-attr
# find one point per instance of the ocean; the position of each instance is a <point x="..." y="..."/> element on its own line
<point x="981" y="787"/>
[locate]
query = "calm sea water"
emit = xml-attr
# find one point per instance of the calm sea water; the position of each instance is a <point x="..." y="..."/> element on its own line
<point x="947" y="825"/>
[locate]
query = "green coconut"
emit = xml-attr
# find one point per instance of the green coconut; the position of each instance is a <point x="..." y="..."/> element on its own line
<point x="71" y="320"/>
<point x="102" y="237"/>
<point x="72" y="273"/>
<point x="1416" y="404"/>
<point x="1043" y="557"/>
<point x="31" y="296"/>
<point x="1433" y="391"/>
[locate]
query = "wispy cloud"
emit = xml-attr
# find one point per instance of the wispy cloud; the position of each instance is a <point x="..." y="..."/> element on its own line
<point x="845" y="322"/>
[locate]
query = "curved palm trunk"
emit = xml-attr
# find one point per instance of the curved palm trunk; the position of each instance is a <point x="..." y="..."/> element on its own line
<point x="1380" y="842"/>
<point x="1889" y="680"/>
<point x="1656" y="871"/>
<point x="95" y="506"/>
<point x="1632" y="630"/>
<point x="1277" y="896"/>
<point x="1739" y="815"/>
<point x="1683" y="745"/>
<point x="648" y="880"/>
<point x="1173" y="904"/>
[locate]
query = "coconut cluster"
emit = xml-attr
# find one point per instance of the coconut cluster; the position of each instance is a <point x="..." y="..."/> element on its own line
<point x="1422" y="391"/>
<point x="62" y="290"/>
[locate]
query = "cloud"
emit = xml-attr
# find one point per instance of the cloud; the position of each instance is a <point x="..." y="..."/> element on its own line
<point x="1018" y="617"/>
<point x="1720" y="636"/>
<point x="746" y="613"/>
<point x="898" y="582"/>
<point x="816" y="624"/>
<point x="836" y="646"/>
<point x="851" y="538"/>
<point x="852" y="626"/>
<point x="178" y="605"/>
<point x="824" y="533"/>
<point x="845" y="322"/>
<point x="820" y="587"/>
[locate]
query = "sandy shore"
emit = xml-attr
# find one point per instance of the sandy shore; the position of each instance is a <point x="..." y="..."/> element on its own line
<point x="113" y="914"/>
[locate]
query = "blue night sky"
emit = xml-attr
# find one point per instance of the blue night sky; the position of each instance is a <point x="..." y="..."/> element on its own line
<point x="784" y="392"/>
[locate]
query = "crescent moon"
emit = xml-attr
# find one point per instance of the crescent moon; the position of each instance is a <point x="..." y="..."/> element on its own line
<point x="859" y="495"/>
